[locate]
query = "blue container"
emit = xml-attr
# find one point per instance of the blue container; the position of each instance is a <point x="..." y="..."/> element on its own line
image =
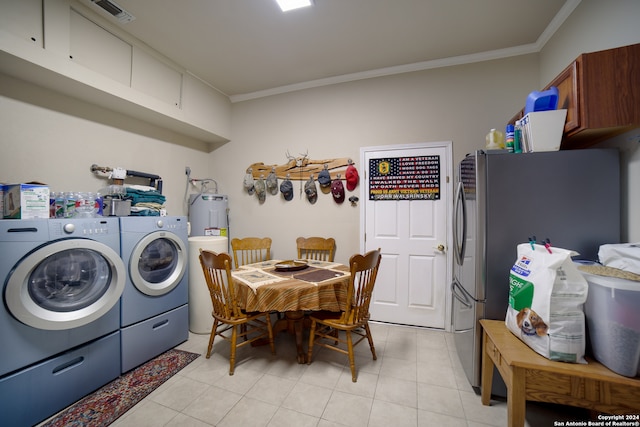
<point x="542" y="101"/>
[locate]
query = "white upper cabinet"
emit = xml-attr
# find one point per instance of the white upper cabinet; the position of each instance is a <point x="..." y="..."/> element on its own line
<point x="155" y="78"/>
<point x="203" y="104"/>
<point x="65" y="46"/>
<point x="23" y="19"/>
<point x="97" y="49"/>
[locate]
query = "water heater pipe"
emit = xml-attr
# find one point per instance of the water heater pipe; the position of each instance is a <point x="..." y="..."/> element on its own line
<point x="118" y="175"/>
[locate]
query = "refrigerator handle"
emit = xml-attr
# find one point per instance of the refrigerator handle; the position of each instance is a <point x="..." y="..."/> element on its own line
<point x="462" y="297"/>
<point x="460" y="207"/>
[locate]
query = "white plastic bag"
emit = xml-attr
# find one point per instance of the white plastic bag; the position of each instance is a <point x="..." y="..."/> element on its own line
<point x="546" y="297"/>
<point x="624" y="256"/>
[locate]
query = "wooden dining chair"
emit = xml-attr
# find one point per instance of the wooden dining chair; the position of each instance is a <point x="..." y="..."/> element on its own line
<point x="316" y="248"/>
<point x="227" y="314"/>
<point x="326" y="326"/>
<point x="250" y="250"/>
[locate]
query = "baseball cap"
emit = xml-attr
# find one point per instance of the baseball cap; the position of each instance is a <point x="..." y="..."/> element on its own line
<point x="337" y="190"/>
<point x="272" y="182"/>
<point x="260" y="189"/>
<point x="248" y="181"/>
<point x="324" y="178"/>
<point x="310" y="189"/>
<point x="352" y="177"/>
<point x="286" y="188"/>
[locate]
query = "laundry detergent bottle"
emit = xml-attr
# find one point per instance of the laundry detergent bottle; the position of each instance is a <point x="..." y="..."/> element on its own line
<point x="494" y="140"/>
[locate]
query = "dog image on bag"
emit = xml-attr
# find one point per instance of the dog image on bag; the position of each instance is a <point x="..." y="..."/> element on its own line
<point x="530" y="323"/>
<point x="546" y="297"/>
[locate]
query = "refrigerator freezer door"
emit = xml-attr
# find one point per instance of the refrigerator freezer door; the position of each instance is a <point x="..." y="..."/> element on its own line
<point x="465" y="318"/>
<point x="463" y="303"/>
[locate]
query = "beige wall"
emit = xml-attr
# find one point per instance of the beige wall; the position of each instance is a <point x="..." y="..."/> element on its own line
<point x="598" y="25"/>
<point x="55" y="139"/>
<point x="458" y="104"/>
<point x="594" y="25"/>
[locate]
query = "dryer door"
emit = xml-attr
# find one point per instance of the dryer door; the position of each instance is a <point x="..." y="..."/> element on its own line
<point x="158" y="263"/>
<point x="65" y="284"/>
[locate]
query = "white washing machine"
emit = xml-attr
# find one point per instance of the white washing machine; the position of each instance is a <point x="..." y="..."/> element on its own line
<point x="60" y="316"/>
<point x="155" y="315"/>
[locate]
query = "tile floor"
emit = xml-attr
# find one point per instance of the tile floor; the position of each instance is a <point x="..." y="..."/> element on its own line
<point x="417" y="380"/>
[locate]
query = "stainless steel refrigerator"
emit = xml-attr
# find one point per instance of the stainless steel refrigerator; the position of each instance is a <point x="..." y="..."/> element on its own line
<point x="571" y="197"/>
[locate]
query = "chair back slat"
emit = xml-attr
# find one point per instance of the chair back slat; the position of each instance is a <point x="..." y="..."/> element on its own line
<point x="217" y="272"/>
<point x="250" y="250"/>
<point x="316" y="248"/>
<point x="364" y="270"/>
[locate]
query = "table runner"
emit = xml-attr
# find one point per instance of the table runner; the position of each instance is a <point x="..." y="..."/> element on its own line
<point x="310" y="274"/>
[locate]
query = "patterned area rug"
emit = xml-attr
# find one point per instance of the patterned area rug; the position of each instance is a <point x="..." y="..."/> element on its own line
<point x="105" y="405"/>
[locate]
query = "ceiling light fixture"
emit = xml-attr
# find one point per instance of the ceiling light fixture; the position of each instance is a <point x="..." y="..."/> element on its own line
<point x="287" y="5"/>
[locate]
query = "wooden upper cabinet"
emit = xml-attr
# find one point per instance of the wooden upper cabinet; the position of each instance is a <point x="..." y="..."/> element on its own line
<point x="567" y="84"/>
<point x="601" y="93"/>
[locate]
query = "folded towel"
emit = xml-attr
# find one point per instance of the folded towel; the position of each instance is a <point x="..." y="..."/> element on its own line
<point x="140" y="196"/>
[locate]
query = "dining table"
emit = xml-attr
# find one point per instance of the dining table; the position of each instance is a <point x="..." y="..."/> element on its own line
<point x="292" y="287"/>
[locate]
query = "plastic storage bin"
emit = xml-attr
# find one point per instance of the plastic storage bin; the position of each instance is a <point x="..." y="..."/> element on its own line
<point x="613" y="323"/>
<point x="542" y="101"/>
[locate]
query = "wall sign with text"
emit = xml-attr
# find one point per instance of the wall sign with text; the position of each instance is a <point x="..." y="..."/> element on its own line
<point x="405" y="178"/>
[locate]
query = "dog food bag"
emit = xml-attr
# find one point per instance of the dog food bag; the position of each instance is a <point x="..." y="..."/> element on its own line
<point x="547" y="293"/>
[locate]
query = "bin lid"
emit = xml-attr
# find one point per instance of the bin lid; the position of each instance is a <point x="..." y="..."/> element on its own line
<point x="610" y="277"/>
<point x="542" y="101"/>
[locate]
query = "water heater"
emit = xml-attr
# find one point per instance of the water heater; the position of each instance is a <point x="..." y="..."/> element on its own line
<point x="208" y="214"/>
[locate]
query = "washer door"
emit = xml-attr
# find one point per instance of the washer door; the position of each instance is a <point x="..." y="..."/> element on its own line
<point x="158" y="263"/>
<point x="65" y="284"/>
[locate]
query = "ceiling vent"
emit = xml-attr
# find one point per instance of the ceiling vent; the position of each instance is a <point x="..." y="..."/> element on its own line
<point x="113" y="9"/>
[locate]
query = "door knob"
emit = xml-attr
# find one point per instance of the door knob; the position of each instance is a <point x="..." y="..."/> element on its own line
<point x="440" y="247"/>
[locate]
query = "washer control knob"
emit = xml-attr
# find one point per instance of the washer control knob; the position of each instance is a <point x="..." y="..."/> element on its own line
<point x="160" y="224"/>
<point x="69" y="228"/>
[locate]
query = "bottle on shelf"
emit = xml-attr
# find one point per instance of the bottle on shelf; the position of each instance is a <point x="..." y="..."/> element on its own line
<point x="494" y="140"/>
<point x="509" y="137"/>
<point x="517" y="137"/>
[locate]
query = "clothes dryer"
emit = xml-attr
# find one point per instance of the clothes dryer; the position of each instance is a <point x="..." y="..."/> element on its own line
<point x="155" y="314"/>
<point x="61" y="285"/>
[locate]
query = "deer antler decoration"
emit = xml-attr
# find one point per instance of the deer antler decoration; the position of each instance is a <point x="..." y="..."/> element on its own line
<point x="301" y="168"/>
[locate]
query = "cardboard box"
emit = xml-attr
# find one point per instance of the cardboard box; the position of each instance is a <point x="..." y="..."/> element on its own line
<point x="25" y="201"/>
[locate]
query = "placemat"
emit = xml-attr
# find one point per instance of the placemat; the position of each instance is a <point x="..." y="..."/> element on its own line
<point x="318" y="275"/>
<point x="255" y="278"/>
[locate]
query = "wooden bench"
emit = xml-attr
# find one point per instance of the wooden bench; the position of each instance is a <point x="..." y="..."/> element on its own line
<point x="529" y="376"/>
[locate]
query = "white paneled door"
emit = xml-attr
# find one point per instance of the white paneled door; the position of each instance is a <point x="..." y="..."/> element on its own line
<point x="406" y="192"/>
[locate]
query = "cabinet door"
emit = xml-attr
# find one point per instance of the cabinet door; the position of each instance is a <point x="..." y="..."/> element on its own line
<point x="96" y="48"/>
<point x="567" y="84"/>
<point x="153" y="77"/>
<point x="23" y="19"/>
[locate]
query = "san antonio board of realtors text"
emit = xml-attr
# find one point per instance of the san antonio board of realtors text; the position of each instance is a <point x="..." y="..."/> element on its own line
<point x="405" y="178"/>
